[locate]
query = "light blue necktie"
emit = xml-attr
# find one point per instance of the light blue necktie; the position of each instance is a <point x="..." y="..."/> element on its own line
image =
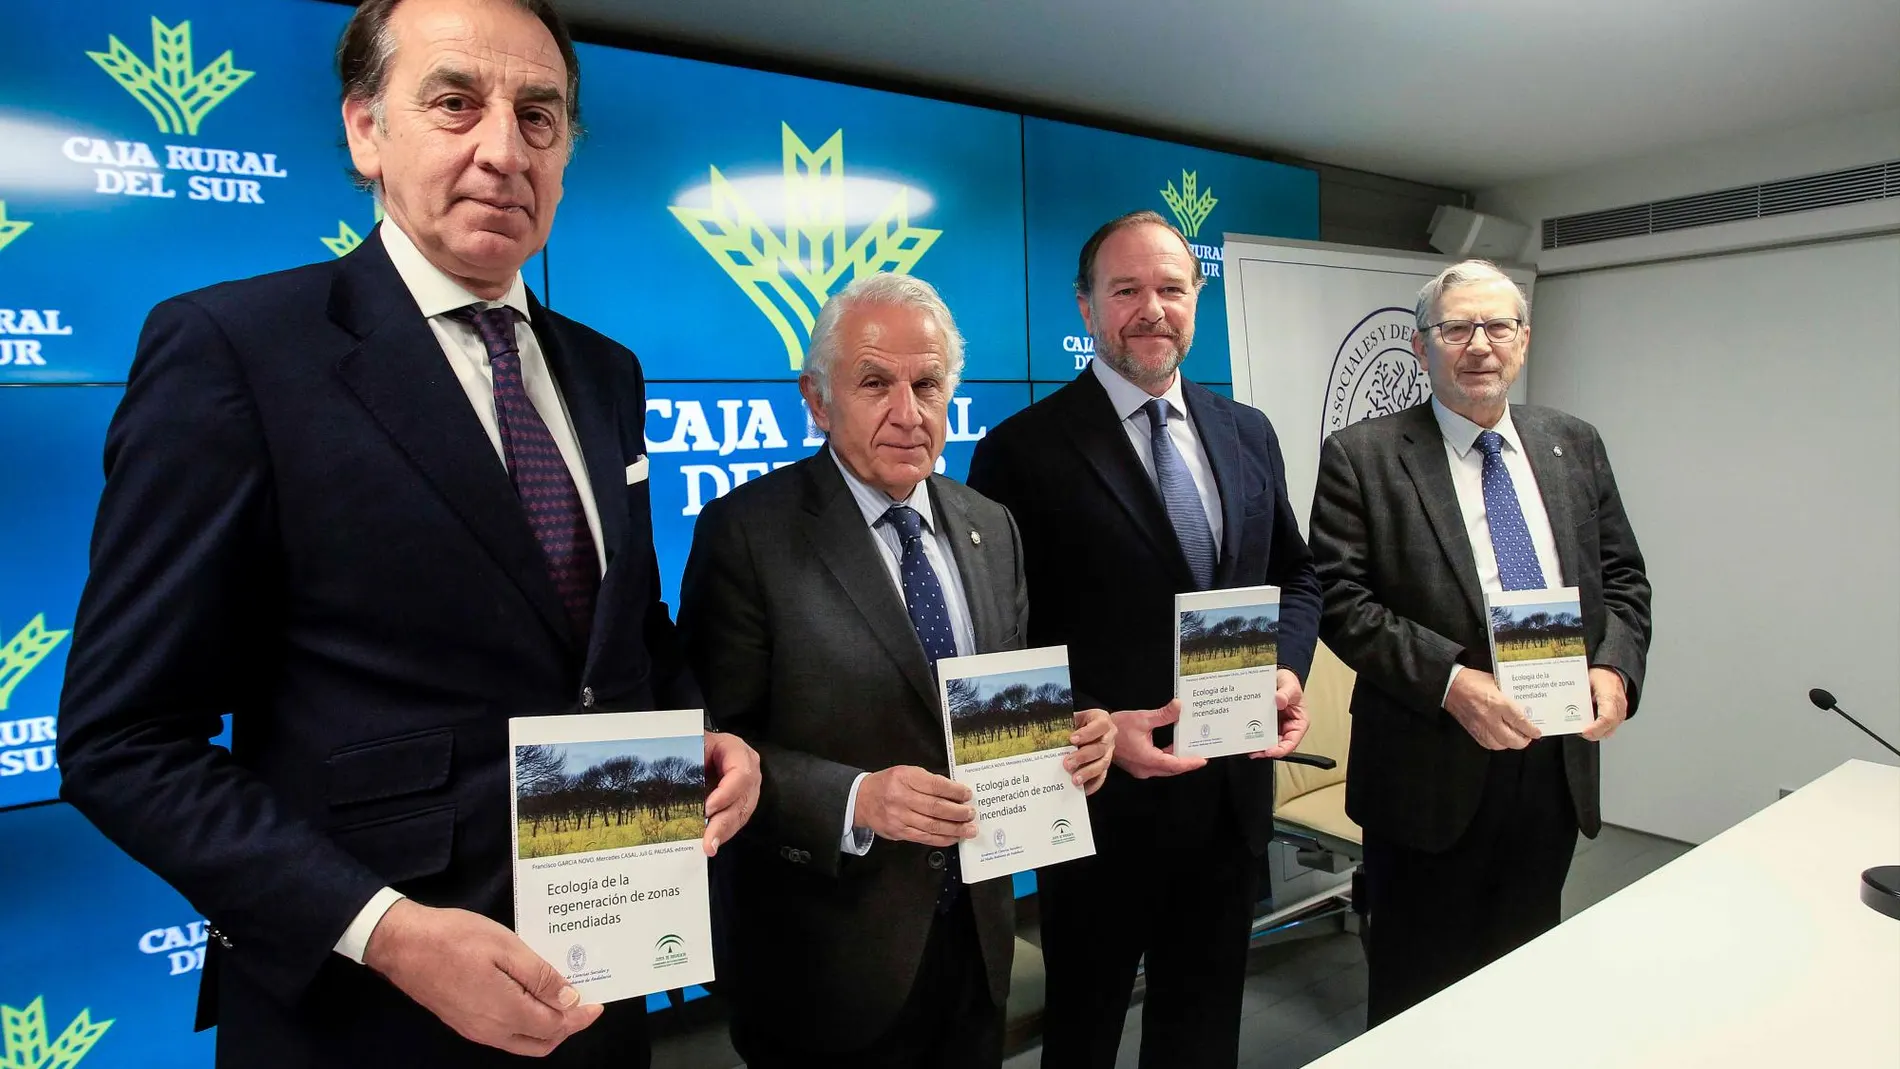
<point x="930" y="618"/>
<point x="1510" y="537"/>
<point x="1182" y="498"/>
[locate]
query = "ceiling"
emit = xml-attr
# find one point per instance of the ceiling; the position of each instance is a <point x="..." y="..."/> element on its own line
<point x="1466" y="93"/>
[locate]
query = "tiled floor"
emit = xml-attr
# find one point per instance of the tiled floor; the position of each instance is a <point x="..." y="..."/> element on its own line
<point x="1303" y="998"/>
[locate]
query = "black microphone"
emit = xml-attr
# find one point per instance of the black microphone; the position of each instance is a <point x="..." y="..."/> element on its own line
<point x="1825" y="701"/>
<point x="1880" y="885"/>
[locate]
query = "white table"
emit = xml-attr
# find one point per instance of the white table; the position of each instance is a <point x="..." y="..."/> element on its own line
<point x="1751" y="950"/>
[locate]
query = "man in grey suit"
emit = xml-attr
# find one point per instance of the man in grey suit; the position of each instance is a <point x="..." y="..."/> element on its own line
<point x="816" y="602"/>
<point x="1470" y="816"/>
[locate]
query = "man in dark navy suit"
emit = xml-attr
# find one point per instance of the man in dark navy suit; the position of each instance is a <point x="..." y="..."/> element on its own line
<point x="1132" y="484"/>
<point x="373" y="508"/>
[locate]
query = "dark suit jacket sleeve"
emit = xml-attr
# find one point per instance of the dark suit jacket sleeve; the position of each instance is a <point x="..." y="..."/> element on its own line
<point x="1018" y="598"/>
<point x="730" y="645"/>
<point x="1291" y="569"/>
<point x="1411" y="662"/>
<point x="1626" y="593"/>
<point x="171" y="633"/>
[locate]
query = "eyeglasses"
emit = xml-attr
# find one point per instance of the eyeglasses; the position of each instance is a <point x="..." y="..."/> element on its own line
<point x="1459" y="331"/>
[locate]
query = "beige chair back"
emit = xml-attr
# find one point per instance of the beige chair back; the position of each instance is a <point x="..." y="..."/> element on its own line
<point x="1328" y="708"/>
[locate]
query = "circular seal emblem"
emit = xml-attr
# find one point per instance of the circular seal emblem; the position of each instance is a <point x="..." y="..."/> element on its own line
<point x="576" y="958"/>
<point x="999" y="838"/>
<point x="1374" y="372"/>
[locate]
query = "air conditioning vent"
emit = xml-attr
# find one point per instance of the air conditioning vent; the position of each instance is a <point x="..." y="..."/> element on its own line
<point x="1805" y="194"/>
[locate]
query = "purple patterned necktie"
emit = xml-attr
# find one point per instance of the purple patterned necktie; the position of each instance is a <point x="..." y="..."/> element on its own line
<point x="539" y="473"/>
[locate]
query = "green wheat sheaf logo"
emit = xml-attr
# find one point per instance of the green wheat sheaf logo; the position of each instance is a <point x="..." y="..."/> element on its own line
<point x="669" y="944"/>
<point x="27" y="1047"/>
<point x="177" y="95"/>
<point x="789" y="275"/>
<point x="20" y="656"/>
<point x="1192" y="205"/>
<point x="10" y="228"/>
<point x="347" y="239"/>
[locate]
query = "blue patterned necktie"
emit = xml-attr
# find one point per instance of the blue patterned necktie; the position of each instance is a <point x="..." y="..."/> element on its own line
<point x="539" y="472"/>
<point x="1510" y="537"/>
<point x="930" y="618"/>
<point x="1182" y="498"/>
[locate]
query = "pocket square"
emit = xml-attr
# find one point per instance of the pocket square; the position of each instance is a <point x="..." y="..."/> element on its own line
<point x="637" y="471"/>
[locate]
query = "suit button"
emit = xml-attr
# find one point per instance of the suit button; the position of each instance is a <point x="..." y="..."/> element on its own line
<point x="936" y="859"/>
<point x="587" y="697"/>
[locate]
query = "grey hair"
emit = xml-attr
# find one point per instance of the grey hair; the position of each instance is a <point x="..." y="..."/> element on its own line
<point x="1466" y="273"/>
<point x="888" y="289"/>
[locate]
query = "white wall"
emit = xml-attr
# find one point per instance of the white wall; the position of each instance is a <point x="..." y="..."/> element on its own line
<point x="1751" y="406"/>
<point x="1746" y="379"/>
<point x="1815" y="148"/>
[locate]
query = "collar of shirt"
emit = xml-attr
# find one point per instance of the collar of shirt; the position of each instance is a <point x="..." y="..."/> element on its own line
<point x="1462" y="434"/>
<point x="873" y="503"/>
<point x="435" y="292"/>
<point x="1129" y="398"/>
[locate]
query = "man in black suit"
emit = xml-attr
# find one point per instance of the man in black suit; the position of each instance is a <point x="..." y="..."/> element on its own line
<point x="372" y="508"/>
<point x="1470" y="817"/>
<point x="816" y="602"/>
<point x="1132" y="484"/>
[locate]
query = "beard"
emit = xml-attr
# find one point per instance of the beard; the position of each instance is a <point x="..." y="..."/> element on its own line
<point x="1137" y="370"/>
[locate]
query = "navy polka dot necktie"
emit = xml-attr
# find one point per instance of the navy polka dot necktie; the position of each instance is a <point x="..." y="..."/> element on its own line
<point x="539" y="472"/>
<point x="930" y="618"/>
<point x="923" y="594"/>
<point x="1510" y="537"/>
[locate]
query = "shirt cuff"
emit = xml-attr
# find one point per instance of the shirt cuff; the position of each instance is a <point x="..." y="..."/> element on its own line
<point x="857" y="841"/>
<point x="355" y="941"/>
<point x="1449" y="680"/>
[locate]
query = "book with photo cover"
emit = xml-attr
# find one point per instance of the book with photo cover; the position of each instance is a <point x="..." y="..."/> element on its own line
<point x="609" y="813"/>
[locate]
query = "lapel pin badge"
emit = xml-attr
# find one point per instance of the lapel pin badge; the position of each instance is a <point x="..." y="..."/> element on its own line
<point x="1557" y="449"/>
<point x="976" y="539"/>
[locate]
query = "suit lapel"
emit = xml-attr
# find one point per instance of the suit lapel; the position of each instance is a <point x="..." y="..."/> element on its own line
<point x="589" y="399"/>
<point x="1093" y="425"/>
<point x="1220" y="440"/>
<point x="1556" y="480"/>
<point x="837" y="534"/>
<point x="398" y="372"/>
<point x="974" y="565"/>
<point x="1423" y="455"/>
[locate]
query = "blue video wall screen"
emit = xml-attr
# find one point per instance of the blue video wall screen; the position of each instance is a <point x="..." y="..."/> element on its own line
<point x="711" y="210"/>
<point x="153" y="147"/>
<point x="156" y="146"/>
<point x="1079" y="177"/>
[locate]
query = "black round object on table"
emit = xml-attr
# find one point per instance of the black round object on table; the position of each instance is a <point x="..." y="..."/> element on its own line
<point x="1880" y="888"/>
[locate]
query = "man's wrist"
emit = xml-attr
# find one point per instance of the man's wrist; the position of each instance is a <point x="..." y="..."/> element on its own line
<point x="354" y="943"/>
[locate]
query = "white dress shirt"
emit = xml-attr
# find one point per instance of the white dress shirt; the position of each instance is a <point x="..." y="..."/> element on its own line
<point x="1467" y="477"/>
<point x="1130" y="403"/>
<point x="436" y="294"/>
<point x="872" y="504"/>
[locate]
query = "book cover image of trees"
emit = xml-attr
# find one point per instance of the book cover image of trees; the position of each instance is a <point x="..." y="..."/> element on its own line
<point x="1537" y="632"/>
<point x="1010" y="713"/>
<point x="578" y="797"/>
<point x="1222" y="640"/>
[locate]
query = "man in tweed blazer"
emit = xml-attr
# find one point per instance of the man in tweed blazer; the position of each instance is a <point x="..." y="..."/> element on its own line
<point x="1470" y="817"/>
